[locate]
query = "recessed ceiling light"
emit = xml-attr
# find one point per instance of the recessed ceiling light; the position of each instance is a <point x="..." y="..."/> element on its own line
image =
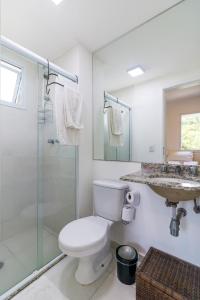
<point x="135" y="71"/>
<point x="57" y="2"/>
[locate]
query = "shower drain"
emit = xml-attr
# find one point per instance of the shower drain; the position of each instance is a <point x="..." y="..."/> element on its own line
<point x="1" y="264"/>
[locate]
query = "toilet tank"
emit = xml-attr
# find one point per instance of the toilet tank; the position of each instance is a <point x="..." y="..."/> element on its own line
<point x="108" y="198"/>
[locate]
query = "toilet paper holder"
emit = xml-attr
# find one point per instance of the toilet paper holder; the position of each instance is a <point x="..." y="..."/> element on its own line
<point x="131" y="202"/>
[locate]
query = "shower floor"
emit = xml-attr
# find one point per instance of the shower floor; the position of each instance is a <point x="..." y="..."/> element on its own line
<point x="19" y="256"/>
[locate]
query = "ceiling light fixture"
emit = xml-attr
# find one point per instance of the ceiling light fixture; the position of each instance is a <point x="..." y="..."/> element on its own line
<point x="135" y="71"/>
<point x="57" y="2"/>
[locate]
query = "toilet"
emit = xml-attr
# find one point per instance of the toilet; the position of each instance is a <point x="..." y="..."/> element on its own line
<point x="89" y="238"/>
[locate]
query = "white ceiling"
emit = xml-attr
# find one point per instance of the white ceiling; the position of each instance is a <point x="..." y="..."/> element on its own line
<point x="168" y="44"/>
<point x="50" y="30"/>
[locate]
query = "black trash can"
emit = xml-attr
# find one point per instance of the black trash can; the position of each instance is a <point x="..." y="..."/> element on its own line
<point x="127" y="258"/>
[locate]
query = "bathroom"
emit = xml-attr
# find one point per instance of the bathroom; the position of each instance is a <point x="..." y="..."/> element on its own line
<point x="60" y="183"/>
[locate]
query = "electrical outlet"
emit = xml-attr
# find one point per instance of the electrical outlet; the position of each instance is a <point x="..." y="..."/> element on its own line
<point x="152" y="148"/>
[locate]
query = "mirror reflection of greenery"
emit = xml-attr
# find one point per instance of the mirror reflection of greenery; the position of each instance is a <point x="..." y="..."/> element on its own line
<point x="190" y="131"/>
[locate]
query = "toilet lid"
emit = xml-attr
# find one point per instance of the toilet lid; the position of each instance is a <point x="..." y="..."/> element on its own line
<point x="84" y="233"/>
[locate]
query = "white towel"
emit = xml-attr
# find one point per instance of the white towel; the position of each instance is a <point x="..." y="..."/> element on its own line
<point x="68" y="119"/>
<point x="72" y="108"/>
<point x="115" y="140"/>
<point x="116" y="122"/>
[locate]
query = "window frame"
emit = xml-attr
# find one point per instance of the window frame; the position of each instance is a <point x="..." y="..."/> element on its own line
<point x="180" y="134"/>
<point x="9" y="64"/>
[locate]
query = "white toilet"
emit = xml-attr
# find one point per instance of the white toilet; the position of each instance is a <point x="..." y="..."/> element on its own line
<point x="88" y="238"/>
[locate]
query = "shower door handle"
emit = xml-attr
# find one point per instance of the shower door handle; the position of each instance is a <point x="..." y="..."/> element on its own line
<point x="52" y="141"/>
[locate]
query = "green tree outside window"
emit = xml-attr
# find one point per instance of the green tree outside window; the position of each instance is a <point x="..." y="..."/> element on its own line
<point x="190" y="131"/>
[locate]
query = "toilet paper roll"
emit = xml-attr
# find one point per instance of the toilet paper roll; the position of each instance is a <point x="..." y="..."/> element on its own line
<point x="130" y="197"/>
<point x="133" y="198"/>
<point x="127" y="213"/>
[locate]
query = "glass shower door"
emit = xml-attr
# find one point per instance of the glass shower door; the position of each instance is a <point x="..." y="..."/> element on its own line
<point x="18" y="168"/>
<point x="56" y="179"/>
<point x="37" y="177"/>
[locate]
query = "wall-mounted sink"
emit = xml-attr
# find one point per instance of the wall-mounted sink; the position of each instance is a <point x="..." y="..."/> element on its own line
<point x="175" y="189"/>
<point x="174" y="183"/>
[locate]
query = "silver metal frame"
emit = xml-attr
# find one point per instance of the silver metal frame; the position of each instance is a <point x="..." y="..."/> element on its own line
<point x="36" y="58"/>
<point x="108" y="96"/>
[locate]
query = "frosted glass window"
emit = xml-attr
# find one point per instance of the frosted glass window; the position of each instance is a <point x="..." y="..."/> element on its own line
<point x="190" y="131"/>
<point x="10" y="80"/>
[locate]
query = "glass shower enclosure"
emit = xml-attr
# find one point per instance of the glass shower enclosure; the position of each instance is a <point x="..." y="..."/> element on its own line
<point x="37" y="176"/>
<point x="122" y="152"/>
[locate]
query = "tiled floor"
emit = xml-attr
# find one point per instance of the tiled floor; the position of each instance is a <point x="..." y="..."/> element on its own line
<point x="59" y="284"/>
<point x="19" y="255"/>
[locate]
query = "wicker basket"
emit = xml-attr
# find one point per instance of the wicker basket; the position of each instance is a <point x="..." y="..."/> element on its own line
<point x="165" y="277"/>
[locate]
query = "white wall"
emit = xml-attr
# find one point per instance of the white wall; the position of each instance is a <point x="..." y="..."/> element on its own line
<point x="151" y="226"/>
<point x="79" y="61"/>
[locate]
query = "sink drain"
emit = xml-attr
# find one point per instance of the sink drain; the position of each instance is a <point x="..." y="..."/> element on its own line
<point x="1" y="264"/>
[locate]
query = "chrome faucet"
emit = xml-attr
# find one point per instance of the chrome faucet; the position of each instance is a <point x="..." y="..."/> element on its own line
<point x="193" y="170"/>
<point x="178" y="170"/>
<point x="164" y="169"/>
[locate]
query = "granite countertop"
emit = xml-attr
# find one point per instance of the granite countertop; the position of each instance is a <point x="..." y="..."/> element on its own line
<point x="153" y="178"/>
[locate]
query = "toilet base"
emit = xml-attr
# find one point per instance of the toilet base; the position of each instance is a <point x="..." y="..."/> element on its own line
<point x="91" y="267"/>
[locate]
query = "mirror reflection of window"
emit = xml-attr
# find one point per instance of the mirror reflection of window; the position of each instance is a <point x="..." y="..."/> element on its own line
<point x="182" y="116"/>
<point x="190" y="131"/>
<point x="10" y="82"/>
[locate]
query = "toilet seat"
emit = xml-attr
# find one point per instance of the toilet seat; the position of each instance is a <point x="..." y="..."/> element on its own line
<point x="84" y="236"/>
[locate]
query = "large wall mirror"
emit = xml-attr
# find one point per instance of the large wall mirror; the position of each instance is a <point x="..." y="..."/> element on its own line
<point x="146" y="91"/>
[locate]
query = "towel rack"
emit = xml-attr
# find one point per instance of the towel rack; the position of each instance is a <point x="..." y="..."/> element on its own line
<point x="108" y="97"/>
<point x="47" y="77"/>
<point x="114" y="99"/>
